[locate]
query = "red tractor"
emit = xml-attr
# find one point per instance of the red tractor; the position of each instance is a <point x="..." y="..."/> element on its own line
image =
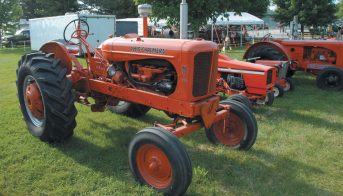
<point x="175" y="76"/>
<point x="323" y="58"/>
<point x="283" y="83"/>
<point x="254" y="81"/>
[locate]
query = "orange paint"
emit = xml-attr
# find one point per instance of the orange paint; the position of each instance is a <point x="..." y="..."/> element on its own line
<point x="154" y="166"/>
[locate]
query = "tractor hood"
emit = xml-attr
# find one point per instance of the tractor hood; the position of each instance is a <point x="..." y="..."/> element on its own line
<point x="309" y="42"/>
<point x="134" y="48"/>
<point x="228" y="63"/>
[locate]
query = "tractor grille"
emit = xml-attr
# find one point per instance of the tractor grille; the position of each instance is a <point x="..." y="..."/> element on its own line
<point x="269" y="76"/>
<point x="202" y="73"/>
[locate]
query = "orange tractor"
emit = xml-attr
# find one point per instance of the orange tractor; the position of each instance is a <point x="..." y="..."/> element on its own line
<point x="254" y="81"/>
<point x="323" y="58"/>
<point x="175" y="76"/>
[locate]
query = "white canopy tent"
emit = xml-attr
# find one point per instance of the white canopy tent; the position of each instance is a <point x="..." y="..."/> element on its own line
<point x="232" y="18"/>
<point x="237" y="19"/>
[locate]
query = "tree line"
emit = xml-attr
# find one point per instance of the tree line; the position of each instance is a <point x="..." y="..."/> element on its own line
<point x="311" y="13"/>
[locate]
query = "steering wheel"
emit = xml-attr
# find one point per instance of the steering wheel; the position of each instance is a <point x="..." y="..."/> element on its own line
<point x="267" y="36"/>
<point x="80" y="29"/>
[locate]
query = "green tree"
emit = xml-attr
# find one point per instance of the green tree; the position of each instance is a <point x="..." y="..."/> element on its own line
<point x="43" y="8"/>
<point x="10" y="13"/>
<point x="311" y="13"/>
<point x="258" y="7"/>
<point x="120" y="8"/>
<point x="340" y="9"/>
<point x="201" y="10"/>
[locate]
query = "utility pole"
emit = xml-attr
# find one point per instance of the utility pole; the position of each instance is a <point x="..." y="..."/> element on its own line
<point x="183" y="20"/>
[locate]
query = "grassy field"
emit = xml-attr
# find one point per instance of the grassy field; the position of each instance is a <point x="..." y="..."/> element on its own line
<point x="299" y="149"/>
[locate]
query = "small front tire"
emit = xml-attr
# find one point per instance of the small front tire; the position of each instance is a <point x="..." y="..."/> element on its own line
<point x="269" y="100"/>
<point x="278" y="90"/>
<point x="289" y="85"/>
<point x="157" y="158"/>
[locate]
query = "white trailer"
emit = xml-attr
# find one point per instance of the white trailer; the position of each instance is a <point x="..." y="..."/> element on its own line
<point x="135" y="25"/>
<point x="47" y="29"/>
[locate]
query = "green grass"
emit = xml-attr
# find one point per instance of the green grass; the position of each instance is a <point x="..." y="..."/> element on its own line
<point x="298" y="149"/>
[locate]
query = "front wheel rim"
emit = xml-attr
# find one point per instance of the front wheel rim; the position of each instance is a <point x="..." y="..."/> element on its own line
<point x="154" y="166"/>
<point x="33" y="101"/>
<point x="276" y="92"/>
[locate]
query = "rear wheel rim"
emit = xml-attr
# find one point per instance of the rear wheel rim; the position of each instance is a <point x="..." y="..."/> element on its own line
<point x="154" y="166"/>
<point x="33" y="101"/>
<point x="230" y="131"/>
<point x="332" y="80"/>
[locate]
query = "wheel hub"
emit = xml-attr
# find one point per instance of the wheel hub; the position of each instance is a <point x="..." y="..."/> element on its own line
<point x="34" y="100"/>
<point x="332" y="79"/>
<point x="154" y="166"/>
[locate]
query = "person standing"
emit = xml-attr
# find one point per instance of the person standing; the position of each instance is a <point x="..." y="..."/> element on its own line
<point x="339" y="34"/>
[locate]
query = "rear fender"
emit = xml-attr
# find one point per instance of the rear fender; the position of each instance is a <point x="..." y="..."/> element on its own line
<point x="275" y="45"/>
<point x="60" y="52"/>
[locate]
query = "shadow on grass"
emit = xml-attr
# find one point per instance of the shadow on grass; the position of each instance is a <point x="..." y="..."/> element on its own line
<point x="110" y="160"/>
<point x="260" y="173"/>
<point x="297" y="117"/>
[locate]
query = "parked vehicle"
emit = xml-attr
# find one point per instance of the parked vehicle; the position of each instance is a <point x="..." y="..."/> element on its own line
<point x="323" y="58"/>
<point x="47" y="29"/>
<point x="21" y="37"/>
<point x="283" y="83"/>
<point x="172" y="75"/>
<point x="255" y="81"/>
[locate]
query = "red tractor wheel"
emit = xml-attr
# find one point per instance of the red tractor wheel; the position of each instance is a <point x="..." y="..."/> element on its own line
<point x="238" y="131"/>
<point x="158" y="159"/>
<point x="45" y="97"/>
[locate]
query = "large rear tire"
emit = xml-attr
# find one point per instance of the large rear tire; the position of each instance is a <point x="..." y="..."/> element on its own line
<point x="330" y="79"/>
<point x="157" y="158"/>
<point x="129" y="109"/>
<point x="266" y="52"/>
<point x="238" y="131"/>
<point x="45" y="97"/>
